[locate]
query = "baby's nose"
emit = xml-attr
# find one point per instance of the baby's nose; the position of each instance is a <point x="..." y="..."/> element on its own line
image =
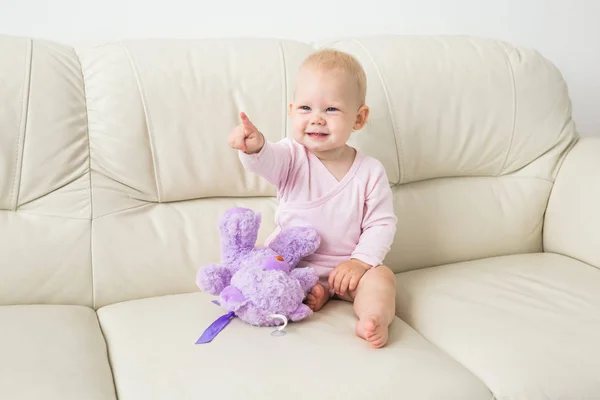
<point x="318" y="120"/>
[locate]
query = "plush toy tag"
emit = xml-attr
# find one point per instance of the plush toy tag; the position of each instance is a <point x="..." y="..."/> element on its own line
<point x="213" y="330"/>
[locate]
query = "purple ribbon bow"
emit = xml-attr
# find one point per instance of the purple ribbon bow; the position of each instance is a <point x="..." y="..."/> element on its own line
<point x="213" y="330"/>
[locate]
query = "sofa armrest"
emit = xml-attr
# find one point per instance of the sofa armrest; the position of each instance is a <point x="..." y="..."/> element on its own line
<point x="572" y="220"/>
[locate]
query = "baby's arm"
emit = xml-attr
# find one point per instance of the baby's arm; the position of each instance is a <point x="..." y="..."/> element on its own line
<point x="379" y="221"/>
<point x="270" y="160"/>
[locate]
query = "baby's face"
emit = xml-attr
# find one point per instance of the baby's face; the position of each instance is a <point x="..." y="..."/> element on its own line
<point x="325" y="110"/>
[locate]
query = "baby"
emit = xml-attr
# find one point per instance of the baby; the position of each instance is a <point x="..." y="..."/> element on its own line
<point x="323" y="182"/>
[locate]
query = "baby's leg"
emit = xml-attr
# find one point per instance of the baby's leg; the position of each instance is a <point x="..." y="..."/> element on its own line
<point x="375" y="305"/>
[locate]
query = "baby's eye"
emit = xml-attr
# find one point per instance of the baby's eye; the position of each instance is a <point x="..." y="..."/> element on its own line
<point x="332" y="109"/>
<point x="305" y="108"/>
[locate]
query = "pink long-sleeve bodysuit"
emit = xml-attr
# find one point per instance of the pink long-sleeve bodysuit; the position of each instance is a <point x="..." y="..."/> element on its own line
<point x="354" y="216"/>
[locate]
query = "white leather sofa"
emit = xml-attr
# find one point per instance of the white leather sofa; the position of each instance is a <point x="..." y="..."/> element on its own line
<point x="114" y="168"/>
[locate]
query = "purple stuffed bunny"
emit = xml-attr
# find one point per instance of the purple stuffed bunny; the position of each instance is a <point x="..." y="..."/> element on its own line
<point x="254" y="281"/>
<point x="259" y="291"/>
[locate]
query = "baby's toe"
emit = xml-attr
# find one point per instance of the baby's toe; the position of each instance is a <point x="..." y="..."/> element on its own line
<point x="372" y="331"/>
<point x="370" y="327"/>
<point x="317" y="291"/>
<point x="316" y="297"/>
<point x="378" y="338"/>
<point x="378" y="341"/>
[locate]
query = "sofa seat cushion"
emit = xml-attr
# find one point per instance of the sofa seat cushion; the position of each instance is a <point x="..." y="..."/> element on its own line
<point x="527" y="325"/>
<point x="154" y="356"/>
<point x="53" y="352"/>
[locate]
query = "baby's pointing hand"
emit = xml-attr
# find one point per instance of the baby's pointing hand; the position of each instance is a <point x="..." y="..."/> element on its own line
<point x="246" y="137"/>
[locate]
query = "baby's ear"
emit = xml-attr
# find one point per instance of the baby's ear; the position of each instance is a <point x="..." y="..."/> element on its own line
<point x="362" y="115"/>
<point x="290" y="109"/>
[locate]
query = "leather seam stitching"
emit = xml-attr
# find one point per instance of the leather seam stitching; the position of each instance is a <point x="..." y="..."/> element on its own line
<point x="514" y="122"/>
<point x="91" y="191"/>
<point x="148" y="122"/>
<point x="16" y="186"/>
<point x="397" y="140"/>
<point x="125" y="210"/>
<point x="284" y="76"/>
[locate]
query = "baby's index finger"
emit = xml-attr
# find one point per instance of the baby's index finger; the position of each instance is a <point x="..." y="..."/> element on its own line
<point x="244" y="117"/>
<point x="246" y="120"/>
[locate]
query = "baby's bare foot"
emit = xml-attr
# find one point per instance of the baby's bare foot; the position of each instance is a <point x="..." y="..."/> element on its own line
<point x="373" y="331"/>
<point x="317" y="297"/>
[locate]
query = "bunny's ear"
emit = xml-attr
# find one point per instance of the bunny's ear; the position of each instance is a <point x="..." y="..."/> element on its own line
<point x="239" y="231"/>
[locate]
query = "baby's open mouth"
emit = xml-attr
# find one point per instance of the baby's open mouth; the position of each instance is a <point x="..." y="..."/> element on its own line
<point x="317" y="134"/>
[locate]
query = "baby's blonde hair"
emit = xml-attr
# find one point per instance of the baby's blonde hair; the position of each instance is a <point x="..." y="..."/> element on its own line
<point x="336" y="60"/>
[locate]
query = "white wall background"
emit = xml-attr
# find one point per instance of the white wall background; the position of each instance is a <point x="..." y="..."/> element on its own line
<point x="565" y="31"/>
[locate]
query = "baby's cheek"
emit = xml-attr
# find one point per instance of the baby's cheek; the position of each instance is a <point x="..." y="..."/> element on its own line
<point x="299" y="124"/>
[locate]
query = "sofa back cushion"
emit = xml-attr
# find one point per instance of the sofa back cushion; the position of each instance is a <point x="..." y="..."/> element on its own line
<point x="471" y="132"/>
<point x="44" y="176"/>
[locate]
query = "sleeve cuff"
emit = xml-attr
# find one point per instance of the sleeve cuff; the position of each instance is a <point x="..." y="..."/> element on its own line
<point x="367" y="259"/>
<point x="249" y="159"/>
